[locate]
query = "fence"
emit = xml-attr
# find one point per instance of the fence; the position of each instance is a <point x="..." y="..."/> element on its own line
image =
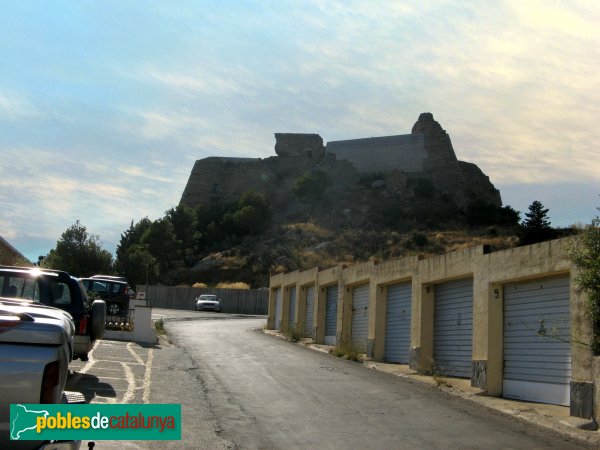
<point x="123" y="322"/>
<point x="236" y="301"/>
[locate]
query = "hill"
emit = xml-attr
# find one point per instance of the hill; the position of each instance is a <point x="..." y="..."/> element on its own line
<point x="343" y="202"/>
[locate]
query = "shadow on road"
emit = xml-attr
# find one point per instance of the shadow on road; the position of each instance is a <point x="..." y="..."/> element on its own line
<point x="89" y="385"/>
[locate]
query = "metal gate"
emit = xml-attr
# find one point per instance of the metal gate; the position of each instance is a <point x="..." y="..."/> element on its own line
<point x="453" y="328"/>
<point x="292" y="310"/>
<point x="310" y="308"/>
<point x="360" y="317"/>
<point x="331" y="301"/>
<point x="397" y="323"/>
<point x="278" y="308"/>
<point x="537" y="335"/>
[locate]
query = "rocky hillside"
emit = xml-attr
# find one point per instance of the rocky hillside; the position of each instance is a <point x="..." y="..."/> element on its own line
<point x="305" y="245"/>
<point x="345" y="202"/>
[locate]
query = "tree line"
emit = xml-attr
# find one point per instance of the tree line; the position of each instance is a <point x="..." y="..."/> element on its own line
<point x="148" y="249"/>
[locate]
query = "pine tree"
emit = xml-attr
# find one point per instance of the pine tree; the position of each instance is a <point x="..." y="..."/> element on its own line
<point x="536" y="227"/>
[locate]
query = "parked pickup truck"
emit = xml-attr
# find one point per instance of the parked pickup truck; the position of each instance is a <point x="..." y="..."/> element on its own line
<point x="36" y="346"/>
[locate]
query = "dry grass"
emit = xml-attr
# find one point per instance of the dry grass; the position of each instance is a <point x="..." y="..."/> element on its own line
<point x="294" y="334"/>
<point x="236" y="285"/>
<point x="310" y="228"/>
<point x="347" y="351"/>
<point x="200" y="285"/>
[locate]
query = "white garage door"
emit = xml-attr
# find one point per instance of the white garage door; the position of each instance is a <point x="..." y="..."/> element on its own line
<point x="453" y="328"/>
<point x="397" y="323"/>
<point x="537" y="334"/>
<point x="292" y="310"/>
<point x="278" y="308"/>
<point x="360" y="317"/>
<point x="331" y="302"/>
<point x="310" y="308"/>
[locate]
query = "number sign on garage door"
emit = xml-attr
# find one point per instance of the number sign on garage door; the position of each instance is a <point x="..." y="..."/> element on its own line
<point x="453" y="328"/>
<point x="537" y="332"/>
<point x="331" y="302"/>
<point x="292" y="310"/>
<point x="360" y="317"/>
<point x="278" y="308"/>
<point x="310" y="308"/>
<point x="397" y="323"/>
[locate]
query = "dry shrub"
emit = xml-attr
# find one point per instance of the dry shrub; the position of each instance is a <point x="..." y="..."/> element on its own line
<point x="236" y="285"/>
<point x="200" y="285"/>
<point x="309" y="258"/>
<point x="309" y="227"/>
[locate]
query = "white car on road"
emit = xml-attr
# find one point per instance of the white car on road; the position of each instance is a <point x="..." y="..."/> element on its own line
<point x="208" y="302"/>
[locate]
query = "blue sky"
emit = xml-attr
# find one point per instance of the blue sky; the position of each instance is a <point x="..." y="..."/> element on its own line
<point x="105" y="106"/>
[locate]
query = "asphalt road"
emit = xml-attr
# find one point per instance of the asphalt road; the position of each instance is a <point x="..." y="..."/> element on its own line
<point x="267" y="393"/>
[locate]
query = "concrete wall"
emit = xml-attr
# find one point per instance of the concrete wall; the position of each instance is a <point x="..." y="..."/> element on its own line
<point x="489" y="271"/>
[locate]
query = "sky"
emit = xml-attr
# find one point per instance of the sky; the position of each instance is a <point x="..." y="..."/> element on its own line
<point x="106" y="105"/>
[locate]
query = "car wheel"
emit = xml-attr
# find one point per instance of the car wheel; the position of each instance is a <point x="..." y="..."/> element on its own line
<point x="113" y="309"/>
<point x="84" y="358"/>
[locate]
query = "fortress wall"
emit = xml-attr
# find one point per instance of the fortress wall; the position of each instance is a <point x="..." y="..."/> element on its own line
<point x="382" y="154"/>
<point x="426" y="152"/>
<point x="226" y="179"/>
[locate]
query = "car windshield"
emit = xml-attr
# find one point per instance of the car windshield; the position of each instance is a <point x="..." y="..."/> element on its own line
<point x="43" y="289"/>
<point x="104" y="286"/>
<point x="210" y="298"/>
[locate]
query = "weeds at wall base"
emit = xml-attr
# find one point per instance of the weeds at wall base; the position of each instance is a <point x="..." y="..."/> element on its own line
<point x="347" y="351"/>
<point x="294" y="334"/>
<point x="160" y="327"/>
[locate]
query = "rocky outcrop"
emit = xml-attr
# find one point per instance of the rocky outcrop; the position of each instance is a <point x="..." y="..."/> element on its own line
<point x="462" y="181"/>
<point x="362" y="171"/>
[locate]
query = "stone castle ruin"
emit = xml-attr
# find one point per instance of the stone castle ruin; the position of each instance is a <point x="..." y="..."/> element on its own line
<point x="362" y="171"/>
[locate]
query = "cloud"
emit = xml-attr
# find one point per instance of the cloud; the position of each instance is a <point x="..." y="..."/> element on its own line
<point x="58" y="189"/>
<point x="13" y="107"/>
<point x="514" y="83"/>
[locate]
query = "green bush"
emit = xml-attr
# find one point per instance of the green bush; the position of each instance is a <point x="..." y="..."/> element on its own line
<point x="311" y="186"/>
<point x="586" y="257"/>
<point x="423" y="188"/>
<point x="419" y="239"/>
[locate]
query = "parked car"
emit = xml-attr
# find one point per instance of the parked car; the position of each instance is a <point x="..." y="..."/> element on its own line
<point x="36" y="346"/>
<point x="61" y="290"/>
<point x="208" y="302"/>
<point x="115" y="293"/>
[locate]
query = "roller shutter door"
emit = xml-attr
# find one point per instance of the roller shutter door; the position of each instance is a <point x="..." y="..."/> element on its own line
<point x="278" y="308"/>
<point x="310" y="308"/>
<point x="453" y="328"/>
<point x="292" y="310"/>
<point x="397" y="323"/>
<point x="537" y="332"/>
<point x="331" y="314"/>
<point x="360" y="317"/>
